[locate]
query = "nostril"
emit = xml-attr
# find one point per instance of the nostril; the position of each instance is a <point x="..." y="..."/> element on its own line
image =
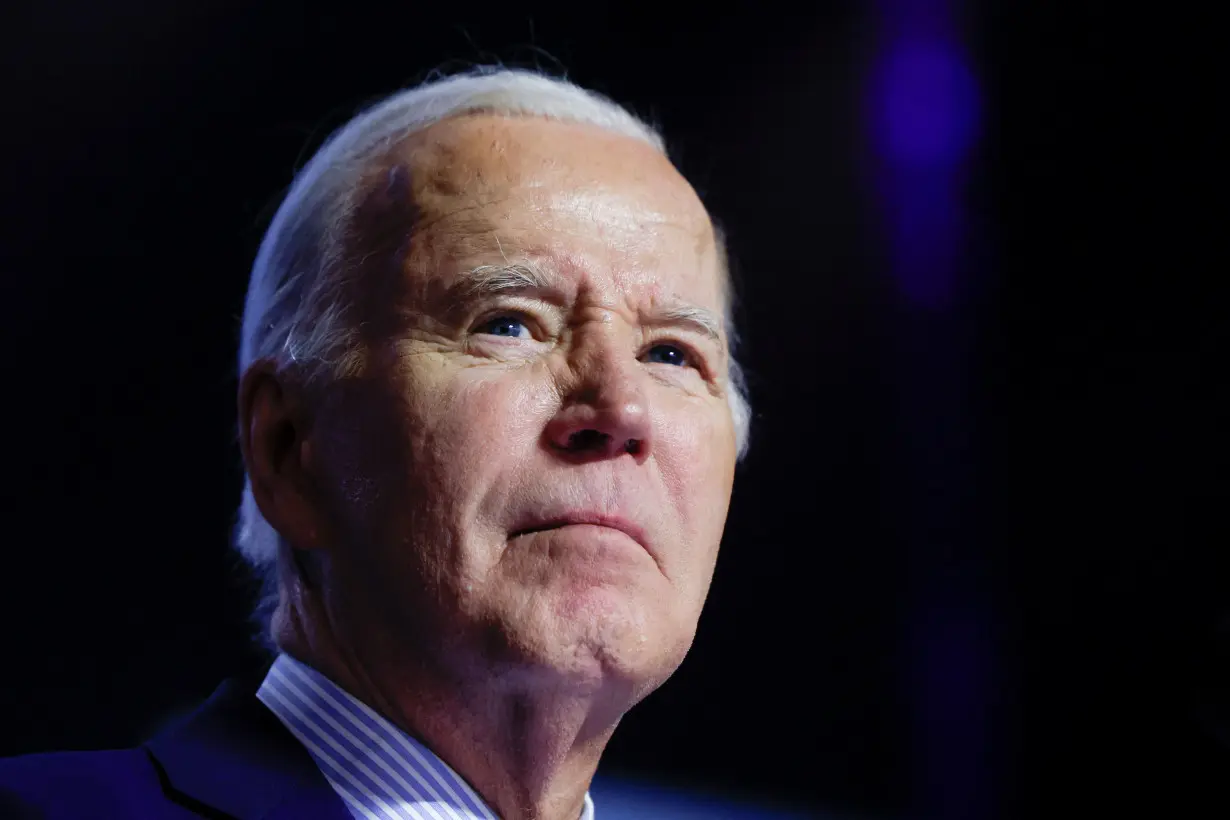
<point x="595" y="442"/>
<point x="588" y="440"/>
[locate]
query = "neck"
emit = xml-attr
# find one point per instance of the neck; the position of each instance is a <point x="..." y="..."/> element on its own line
<point x="527" y="741"/>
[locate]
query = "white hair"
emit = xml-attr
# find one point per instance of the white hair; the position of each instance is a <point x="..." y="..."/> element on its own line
<point x="297" y="309"/>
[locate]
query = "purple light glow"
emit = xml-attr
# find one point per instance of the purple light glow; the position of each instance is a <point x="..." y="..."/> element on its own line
<point x="926" y="104"/>
<point x="923" y="111"/>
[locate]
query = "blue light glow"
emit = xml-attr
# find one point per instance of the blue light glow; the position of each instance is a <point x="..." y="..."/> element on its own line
<point x="927" y="111"/>
<point x="617" y="799"/>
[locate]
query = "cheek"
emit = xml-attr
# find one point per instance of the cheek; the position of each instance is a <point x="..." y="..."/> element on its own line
<point x="488" y="421"/>
<point x="422" y="443"/>
<point x="358" y="442"/>
<point x="475" y="433"/>
<point x="696" y="456"/>
<point x="418" y="463"/>
<point x="695" y="446"/>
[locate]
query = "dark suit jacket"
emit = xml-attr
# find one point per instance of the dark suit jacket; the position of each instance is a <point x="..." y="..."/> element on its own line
<point x="230" y="759"/>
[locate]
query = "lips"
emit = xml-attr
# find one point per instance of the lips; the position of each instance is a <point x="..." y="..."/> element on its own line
<point x="554" y="522"/>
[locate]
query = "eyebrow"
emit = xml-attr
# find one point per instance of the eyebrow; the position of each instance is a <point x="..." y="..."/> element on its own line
<point x="698" y="319"/>
<point x="488" y="280"/>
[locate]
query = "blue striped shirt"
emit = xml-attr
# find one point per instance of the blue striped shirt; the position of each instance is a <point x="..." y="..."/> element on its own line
<point x="379" y="771"/>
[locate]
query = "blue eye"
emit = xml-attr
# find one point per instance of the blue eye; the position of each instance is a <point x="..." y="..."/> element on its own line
<point x="668" y="354"/>
<point x="507" y="326"/>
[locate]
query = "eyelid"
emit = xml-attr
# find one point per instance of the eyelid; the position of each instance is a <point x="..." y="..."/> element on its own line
<point x="522" y="312"/>
<point x="697" y="358"/>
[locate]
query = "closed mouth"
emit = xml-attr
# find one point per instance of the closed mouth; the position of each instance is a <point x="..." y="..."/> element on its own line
<point x="625" y="527"/>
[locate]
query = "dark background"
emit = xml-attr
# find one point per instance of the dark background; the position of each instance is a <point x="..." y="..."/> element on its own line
<point x="975" y="561"/>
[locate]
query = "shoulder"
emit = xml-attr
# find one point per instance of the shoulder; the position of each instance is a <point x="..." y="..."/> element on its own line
<point x="117" y="783"/>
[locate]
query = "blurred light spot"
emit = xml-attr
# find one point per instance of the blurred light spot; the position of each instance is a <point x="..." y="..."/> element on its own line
<point x="926" y="104"/>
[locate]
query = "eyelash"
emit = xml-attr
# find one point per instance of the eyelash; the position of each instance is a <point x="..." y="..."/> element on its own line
<point x="695" y="360"/>
<point x="534" y="327"/>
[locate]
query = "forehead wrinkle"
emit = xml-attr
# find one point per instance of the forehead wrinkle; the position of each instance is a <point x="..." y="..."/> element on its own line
<point x="655" y="308"/>
<point x="471" y="211"/>
<point x="524" y="272"/>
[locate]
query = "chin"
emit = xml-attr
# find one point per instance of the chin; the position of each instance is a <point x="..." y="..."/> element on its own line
<point x="625" y="636"/>
<point x="616" y="643"/>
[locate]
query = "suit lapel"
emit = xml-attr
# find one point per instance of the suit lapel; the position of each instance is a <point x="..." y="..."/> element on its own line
<point x="233" y="755"/>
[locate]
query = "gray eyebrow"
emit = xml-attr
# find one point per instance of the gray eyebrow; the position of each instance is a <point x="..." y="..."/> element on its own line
<point x="705" y="322"/>
<point x="490" y="279"/>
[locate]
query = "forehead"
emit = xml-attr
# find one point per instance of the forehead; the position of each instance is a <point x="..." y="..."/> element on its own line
<point x="608" y="211"/>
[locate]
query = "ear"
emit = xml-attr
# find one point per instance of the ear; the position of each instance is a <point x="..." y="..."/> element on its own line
<point x="274" y="437"/>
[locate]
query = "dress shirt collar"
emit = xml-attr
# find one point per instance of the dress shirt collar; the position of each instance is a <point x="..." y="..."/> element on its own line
<point x="379" y="771"/>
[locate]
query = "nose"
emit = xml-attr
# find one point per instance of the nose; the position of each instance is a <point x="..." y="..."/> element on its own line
<point x="605" y="412"/>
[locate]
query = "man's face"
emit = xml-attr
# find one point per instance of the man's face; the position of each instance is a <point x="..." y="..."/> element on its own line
<point x="533" y="471"/>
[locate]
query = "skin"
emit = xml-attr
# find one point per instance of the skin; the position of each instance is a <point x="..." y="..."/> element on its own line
<point x="581" y="407"/>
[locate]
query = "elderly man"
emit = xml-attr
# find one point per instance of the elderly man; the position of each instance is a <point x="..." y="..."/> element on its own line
<point x="490" y="419"/>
